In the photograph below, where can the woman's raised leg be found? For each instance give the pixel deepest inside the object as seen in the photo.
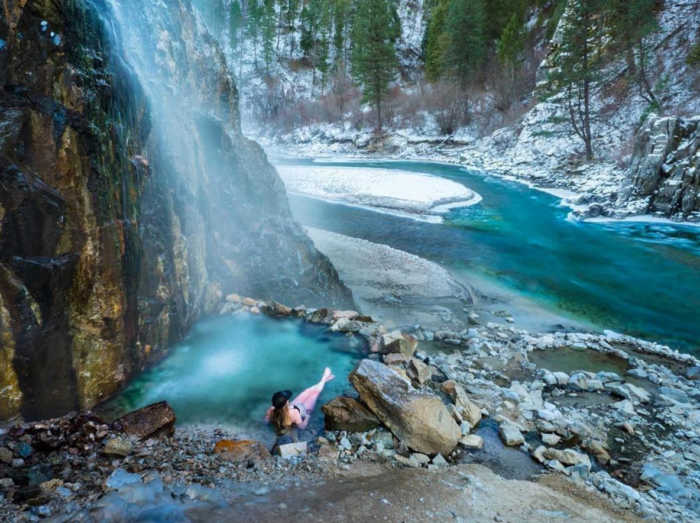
(309, 397)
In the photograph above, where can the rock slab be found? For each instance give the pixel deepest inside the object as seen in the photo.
(243, 450)
(148, 421)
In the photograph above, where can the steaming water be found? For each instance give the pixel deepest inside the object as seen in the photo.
(637, 278)
(228, 367)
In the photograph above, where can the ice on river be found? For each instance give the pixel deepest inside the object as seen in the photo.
(418, 195)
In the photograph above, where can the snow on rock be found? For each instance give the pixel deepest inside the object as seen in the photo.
(404, 193)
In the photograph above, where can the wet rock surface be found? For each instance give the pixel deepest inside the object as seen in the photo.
(118, 232)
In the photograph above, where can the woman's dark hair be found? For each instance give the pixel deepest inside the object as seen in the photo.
(280, 417)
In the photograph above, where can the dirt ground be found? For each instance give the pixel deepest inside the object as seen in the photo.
(465, 493)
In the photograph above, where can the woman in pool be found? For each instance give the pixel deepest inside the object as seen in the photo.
(284, 413)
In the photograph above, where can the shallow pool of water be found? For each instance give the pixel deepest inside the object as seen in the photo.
(642, 279)
(571, 360)
(228, 367)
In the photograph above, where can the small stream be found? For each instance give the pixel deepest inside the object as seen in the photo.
(641, 279)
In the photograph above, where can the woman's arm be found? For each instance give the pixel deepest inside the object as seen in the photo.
(268, 414)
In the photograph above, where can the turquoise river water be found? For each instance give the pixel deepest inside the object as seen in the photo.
(636, 278)
(641, 279)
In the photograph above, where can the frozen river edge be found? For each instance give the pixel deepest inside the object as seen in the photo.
(417, 195)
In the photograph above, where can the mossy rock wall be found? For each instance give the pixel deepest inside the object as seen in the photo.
(109, 249)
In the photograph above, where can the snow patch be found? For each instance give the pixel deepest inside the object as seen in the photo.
(403, 193)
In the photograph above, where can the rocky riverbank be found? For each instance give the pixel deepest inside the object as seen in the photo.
(657, 181)
(423, 399)
(393, 286)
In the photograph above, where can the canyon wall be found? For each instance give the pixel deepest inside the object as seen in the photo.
(665, 166)
(125, 217)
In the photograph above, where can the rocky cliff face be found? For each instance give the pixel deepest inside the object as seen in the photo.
(665, 166)
(126, 212)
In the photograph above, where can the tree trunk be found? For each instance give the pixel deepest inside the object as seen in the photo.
(642, 75)
(587, 137)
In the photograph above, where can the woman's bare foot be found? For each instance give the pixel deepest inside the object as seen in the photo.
(327, 375)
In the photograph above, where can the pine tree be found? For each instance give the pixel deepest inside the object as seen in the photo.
(292, 13)
(499, 14)
(267, 33)
(323, 44)
(341, 25)
(310, 14)
(374, 62)
(632, 23)
(466, 49)
(235, 32)
(577, 65)
(437, 42)
(510, 45)
(253, 25)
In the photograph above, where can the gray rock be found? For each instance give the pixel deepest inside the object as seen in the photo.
(118, 447)
(292, 450)
(419, 371)
(511, 435)
(562, 378)
(328, 452)
(662, 165)
(568, 457)
(399, 343)
(120, 478)
(345, 443)
(421, 458)
(674, 394)
(439, 461)
(6, 482)
(625, 407)
(470, 412)
(551, 439)
(6, 455)
(384, 438)
(407, 462)
(421, 421)
(472, 442)
(693, 373)
(629, 392)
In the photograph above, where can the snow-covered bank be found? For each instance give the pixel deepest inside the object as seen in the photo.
(587, 190)
(417, 195)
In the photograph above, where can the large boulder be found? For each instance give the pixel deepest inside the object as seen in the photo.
(349, 414)
(419, 420)
(150, 420)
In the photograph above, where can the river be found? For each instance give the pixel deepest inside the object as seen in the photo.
(637, 278)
